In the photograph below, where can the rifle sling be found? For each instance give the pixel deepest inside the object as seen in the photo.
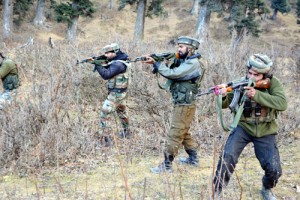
(239, 111)
(166, 85)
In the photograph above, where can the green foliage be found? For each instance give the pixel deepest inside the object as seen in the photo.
(243, 14)
(123, 3)
(66, 11)
(154, 8)
(20, 10)
(281, 5)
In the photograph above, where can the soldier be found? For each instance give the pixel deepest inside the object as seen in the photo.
(10, 79)
(117, 74)
(256, 125)
(184, 76)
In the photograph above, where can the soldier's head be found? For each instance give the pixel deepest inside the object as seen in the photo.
(259, 65)
(187, 46)
(111, 50)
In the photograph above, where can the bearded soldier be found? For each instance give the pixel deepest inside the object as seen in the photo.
(257, 125)
(184, 76)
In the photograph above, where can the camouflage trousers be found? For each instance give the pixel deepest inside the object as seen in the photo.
(179, 134)
(114, 104)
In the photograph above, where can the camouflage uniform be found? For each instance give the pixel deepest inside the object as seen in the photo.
(117, 74)
(10, 79)
(184, 75)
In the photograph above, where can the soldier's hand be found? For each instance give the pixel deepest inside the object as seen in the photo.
(250, 92)
(149, 60)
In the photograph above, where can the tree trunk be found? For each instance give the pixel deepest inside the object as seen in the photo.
(7, 18)
(110, 4)
(39, 17)
(195, 8)
(140, 20)
(72, 28)
(203, 22)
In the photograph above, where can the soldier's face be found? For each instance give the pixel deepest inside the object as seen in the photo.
(182, 49)
(254, 75)
(110, 55)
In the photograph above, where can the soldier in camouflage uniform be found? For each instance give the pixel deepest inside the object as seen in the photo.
(117, 74)
(184, 75)
(256, 125)
(10, 79)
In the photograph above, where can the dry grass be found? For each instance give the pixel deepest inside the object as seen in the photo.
(52, 128)
(48, 136)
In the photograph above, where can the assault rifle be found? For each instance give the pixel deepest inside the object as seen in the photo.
(158, 57)
(238, 101)
(233, 85)
(99, 60)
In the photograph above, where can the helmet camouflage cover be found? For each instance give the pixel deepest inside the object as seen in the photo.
(111, 47)
(192, 42)
(260, 63)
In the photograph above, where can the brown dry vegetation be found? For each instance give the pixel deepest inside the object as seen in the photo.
(48, 136)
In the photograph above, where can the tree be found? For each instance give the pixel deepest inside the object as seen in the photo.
(206, 8)
(70, 12)
(7, 18)
(298, 11)
(154, 8)
(195, 8)
(39, 17)
(242, 15)
(20, 10)
(140, 20)
(281, 6)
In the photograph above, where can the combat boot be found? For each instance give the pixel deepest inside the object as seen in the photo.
(191, 160)
(165, 166)
(267, 194)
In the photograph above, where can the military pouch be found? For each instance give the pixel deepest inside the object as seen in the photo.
(247, 109)
(182, 95)
(111, 84)
(257, 110)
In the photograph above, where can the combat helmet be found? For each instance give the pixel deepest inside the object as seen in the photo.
(113, 47)
(192, 42)
(259, 63)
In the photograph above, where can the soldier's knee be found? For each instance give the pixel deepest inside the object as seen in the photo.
(229, 159)
(273, 171)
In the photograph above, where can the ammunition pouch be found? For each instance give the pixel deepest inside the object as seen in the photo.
(183, 92)
(255, 113)
(11, 82)
(120, 82)
(247, 109)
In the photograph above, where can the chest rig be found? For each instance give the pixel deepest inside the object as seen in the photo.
(120, 82)
(256, 113)
(184, 92)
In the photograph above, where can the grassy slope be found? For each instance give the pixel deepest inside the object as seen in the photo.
(107, 182)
